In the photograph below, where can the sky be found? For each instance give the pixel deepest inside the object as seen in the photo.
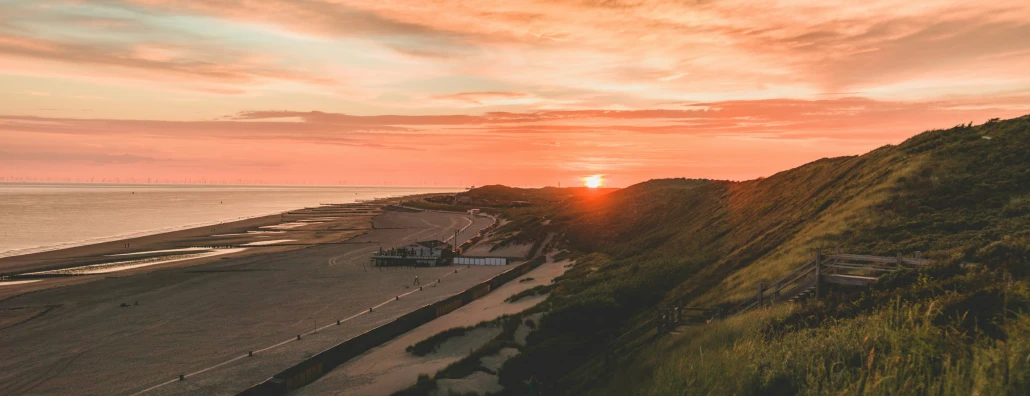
(458, 93)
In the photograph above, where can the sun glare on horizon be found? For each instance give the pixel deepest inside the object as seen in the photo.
(594, 181)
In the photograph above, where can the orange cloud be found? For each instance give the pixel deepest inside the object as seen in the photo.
(150, 61)
(484, 98)
(731, 139)
(560, 54)
(525, 91)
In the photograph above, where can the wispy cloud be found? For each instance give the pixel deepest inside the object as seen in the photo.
(729, 139)
(485, 98)
(150, 63)
(51, 157)
(650, 51)
(629, 88)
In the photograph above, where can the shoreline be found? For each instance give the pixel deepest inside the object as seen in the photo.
(140, 329)
(29, 204)
(62, 256)
(44, 261)
(125, 236)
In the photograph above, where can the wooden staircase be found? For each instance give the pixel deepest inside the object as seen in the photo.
(800, 283)
(838, 268)
(799, 293)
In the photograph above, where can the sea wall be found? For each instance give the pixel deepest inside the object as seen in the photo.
(314, 367)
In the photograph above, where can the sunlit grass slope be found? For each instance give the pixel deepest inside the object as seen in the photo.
(960, 196)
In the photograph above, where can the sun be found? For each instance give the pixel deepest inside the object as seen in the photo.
(594, 181)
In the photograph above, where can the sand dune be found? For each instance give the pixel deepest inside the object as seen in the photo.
(390, 368)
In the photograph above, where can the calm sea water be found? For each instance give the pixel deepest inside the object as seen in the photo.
(37, 217)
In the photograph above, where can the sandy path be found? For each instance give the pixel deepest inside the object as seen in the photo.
(389, 368)
(482, 249)
(191, 319)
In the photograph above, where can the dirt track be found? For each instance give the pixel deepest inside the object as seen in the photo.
(193, 318)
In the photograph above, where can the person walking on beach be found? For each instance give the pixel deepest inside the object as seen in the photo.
(416, 281)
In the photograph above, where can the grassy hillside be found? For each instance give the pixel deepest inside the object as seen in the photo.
(960, 196)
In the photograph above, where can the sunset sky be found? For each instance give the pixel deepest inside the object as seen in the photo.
(525, 93)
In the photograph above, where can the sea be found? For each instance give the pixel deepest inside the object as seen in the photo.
(36, 217)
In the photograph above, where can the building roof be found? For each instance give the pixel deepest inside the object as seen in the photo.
(434, 244)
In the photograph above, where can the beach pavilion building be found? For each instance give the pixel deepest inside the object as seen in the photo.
(418, 254)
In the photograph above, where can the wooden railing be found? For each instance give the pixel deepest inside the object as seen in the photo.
(837, 268)
(793, 277)
(879, 259)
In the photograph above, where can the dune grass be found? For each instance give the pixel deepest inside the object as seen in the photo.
(533, 291)
(957, 327)
(425, 384)
(902, 347)
(950, 194)
(432, 344)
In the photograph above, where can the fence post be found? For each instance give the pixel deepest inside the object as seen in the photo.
(760, 302)
(665, 320)
(658, 322)
(666, 315)
(818, 272)
(608, 360)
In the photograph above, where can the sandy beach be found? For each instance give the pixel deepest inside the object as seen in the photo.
(128, 331)
(389, 368)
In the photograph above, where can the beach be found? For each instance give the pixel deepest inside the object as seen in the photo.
(137, 326)
(391, 368)
(39, 217)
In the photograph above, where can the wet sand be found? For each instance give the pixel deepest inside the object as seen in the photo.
(61, 258)
(74, 336)
(352, 220)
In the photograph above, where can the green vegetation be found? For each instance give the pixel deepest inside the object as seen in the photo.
(957, 327)
(432, 344)
(533, 291)
(423, 385)
(940, 330)
(959, 196)
(471, 363)
(422, 204)
(498, 194)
